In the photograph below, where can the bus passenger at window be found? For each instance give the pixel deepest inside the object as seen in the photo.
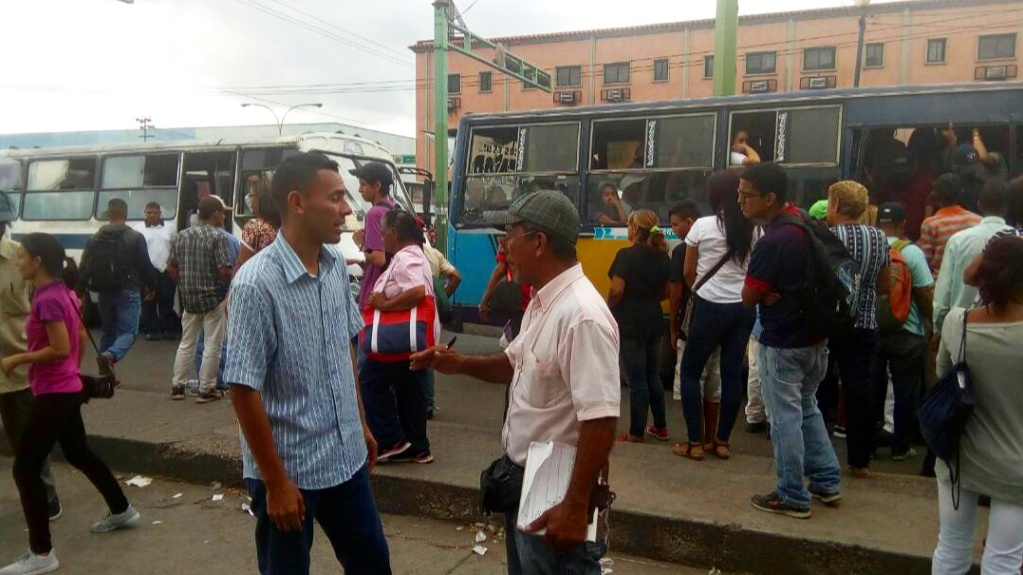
(742, 153)
(613, 209)
(496, 196)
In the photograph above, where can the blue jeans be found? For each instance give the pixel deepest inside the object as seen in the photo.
(789, 380)
(640, 359)
(119, 315)
(394, 398)
(199, 347)
(727, 325)
(348, 517)
(529, 555)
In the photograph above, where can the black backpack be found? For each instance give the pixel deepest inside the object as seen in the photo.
(831, 300)
(107, 268)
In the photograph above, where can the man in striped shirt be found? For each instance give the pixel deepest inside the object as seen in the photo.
(950, 219)
(306, 449)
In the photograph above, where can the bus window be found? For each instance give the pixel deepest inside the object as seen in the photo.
(493, 151)
(60, 189)
(618, 145)
(684, 142)
(794, 136)
(10, 181)
(139, 180)
(652, 190)
(551, 148)
(260, 163)
(756, 130)
(359, 206)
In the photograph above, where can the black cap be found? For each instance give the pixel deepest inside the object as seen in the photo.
(891, 213)
(375, 173)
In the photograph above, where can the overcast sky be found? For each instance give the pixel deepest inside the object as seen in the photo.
(99, 64)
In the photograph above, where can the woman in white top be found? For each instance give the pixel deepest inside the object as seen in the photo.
(718, 250)
(742, 153)
(991, 447)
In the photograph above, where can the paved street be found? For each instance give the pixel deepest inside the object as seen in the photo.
(192, 534)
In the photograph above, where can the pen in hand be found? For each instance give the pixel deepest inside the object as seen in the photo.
(451, 343)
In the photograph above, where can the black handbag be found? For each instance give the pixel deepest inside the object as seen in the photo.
(96, 386)
(687, 315)
(501, 486)
(944, 412)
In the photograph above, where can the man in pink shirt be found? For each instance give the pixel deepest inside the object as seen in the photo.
(563, 384)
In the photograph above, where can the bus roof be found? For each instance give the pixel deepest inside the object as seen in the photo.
(337, 141)
(810, 96)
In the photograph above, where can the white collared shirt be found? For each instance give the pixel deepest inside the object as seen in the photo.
(159, 240)
(566, 366)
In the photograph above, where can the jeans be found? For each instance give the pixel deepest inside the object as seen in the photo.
(903, 354)
(714, 325)
(529, 555)
(1003, 550)
(394, 398)
(348, 517)
(640, 359)
(789, 379)
(14, 408)
(756, 412)
(158, 316)
(119, 316)
(854, 353)
(710, 379)
(213, 325)
(52, 418)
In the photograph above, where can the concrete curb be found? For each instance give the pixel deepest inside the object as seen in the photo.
(732, 548)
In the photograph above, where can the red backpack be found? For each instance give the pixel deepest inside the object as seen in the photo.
(893, 308)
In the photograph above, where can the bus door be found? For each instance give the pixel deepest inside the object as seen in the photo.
(205, 173)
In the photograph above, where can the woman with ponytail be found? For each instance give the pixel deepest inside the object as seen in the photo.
(55, 345)
(639, 283)
(718, 250)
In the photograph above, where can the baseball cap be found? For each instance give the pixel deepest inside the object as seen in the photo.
(211, 205)
(374, 172)
(8, 210)
(891, 213)
(966, 160)
(115, 204)
(549, 210)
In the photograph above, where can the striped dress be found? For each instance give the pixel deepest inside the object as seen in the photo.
(937, 229)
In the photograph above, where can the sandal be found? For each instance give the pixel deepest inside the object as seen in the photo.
(692, 451)
(721, 449)
(627, 438)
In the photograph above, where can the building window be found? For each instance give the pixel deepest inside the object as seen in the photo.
(486, 81)
(660, 70)
(569, 76)
(996, 46)
(454, 83)
(936, 50)
(708, 66)
(874, 56)
(617, 73)
(761, 63)
(819, 59)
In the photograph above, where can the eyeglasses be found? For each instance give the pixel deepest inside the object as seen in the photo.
(748, 195)
(509, 239)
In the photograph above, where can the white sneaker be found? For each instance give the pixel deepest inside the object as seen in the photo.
(32, 564)
(124, 520)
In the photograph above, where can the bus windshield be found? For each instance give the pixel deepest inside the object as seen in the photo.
(360, 206)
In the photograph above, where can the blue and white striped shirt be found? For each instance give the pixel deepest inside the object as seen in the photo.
(288, 337)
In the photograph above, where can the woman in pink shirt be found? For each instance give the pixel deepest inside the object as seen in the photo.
(393, 395)
(55, 336)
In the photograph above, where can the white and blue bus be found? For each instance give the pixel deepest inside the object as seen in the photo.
(64, 191)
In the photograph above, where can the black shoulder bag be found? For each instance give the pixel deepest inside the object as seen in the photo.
(95, 386)
(687, 317)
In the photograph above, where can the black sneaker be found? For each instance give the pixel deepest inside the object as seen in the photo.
(408, 457)
(210, 396)
(758, 427)
(178, 392)
(54, 510)
(386, 455)
(771, 503)
(839, 432)
(829, 499)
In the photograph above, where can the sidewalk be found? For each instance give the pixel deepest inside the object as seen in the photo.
(668, 508)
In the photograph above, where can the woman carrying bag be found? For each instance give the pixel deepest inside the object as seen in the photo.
(990, 457)
(55, 344)
(394, 395)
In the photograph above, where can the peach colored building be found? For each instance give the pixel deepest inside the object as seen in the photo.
(913, 42)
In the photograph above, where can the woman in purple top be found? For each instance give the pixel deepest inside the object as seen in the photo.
(394, 396)
(55, 336)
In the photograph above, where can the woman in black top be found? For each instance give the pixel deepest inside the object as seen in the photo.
(639, 282)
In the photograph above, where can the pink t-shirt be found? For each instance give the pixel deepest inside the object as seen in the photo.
(53, 302)
(408, 270)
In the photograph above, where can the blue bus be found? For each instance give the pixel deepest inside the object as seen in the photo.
(658, 153)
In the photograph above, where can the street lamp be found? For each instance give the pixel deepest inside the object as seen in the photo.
(280, 120)
(862, 4)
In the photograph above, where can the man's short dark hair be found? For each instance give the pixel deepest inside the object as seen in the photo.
(685, 209)
(298, 173)
(562, 249)
(768, 178)
(154, 205)
(948, 189)
(992, 199)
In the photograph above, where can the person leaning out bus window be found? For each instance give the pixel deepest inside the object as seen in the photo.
(742, 153)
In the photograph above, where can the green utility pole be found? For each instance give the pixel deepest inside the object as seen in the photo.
(726, 26)
(445, 20)
(441, 18)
